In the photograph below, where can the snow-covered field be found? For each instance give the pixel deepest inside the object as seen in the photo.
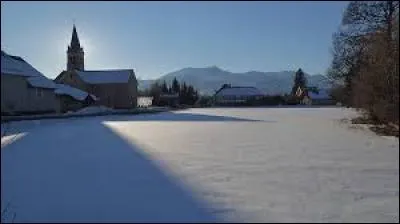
(236, 164)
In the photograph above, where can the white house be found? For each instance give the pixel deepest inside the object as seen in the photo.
(145, 101)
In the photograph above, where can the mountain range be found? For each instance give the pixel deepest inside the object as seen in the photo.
(208, 80)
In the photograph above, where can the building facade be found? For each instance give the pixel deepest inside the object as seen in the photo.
(73, 99)
(236, 95)
(25, 90)
(115, 88)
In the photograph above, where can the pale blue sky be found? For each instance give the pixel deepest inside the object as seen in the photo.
(155, 38)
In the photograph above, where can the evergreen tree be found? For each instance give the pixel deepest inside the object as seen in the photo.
(164, 88)
(299, 81)
(155, 91)
(196, 96)
(183, 94)
(175, 86)
(190, 95)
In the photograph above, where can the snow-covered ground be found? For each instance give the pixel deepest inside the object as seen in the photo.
(244, 165)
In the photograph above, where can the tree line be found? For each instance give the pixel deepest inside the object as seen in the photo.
(365, 65)
(182, 92)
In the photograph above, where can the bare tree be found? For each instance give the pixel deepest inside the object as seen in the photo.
(365, 58)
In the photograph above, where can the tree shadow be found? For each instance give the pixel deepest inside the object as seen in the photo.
(178, 117)
(91, 174)
(15, 130)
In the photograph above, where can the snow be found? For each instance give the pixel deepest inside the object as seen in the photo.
(12, 66)
(211, 164)
(95, 98)
(73, 92)
(240, 91)
(8, 139)
(41, 82)
(106, 76)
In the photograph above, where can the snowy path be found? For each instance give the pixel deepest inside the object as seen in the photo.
(250, 165)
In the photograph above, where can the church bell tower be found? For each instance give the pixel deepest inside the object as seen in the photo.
(75, 53)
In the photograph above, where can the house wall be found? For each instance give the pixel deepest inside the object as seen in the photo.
(132, 86)
(115, 95)
(234, 98)
(18, 96)
(72, 79)
(68, 103)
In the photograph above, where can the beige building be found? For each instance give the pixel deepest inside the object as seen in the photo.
(24, 89)
(113, 88)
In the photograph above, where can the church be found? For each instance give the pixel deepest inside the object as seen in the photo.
(114, 88)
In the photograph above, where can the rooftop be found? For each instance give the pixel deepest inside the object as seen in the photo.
(14, 65)
(106, 76)
(73, 92)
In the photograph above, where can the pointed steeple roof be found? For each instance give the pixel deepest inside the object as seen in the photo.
(75, 40)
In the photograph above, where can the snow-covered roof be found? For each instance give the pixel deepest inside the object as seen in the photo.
(322, 94)
(95, 98)
(240, 91)
(77, 94)
(106, 76)
(14, 65)
(41, 82)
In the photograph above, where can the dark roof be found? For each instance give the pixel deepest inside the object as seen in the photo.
(106, 76)
(12, 56)
(17, 58)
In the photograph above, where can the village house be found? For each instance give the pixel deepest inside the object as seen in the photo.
(321, 97)
(314, 96)
(113, 88)
(72, 99)
(231, 95)
(24, 89)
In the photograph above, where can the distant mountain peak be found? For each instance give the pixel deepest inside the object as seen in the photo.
(214, 67)
(208, 79)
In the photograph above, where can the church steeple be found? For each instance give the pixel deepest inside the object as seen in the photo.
(75, 53)
(75, 40)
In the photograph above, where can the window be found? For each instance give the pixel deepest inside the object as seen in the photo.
(39, 92)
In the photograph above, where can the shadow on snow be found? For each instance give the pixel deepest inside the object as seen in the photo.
(171, 116)
(96, 177)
